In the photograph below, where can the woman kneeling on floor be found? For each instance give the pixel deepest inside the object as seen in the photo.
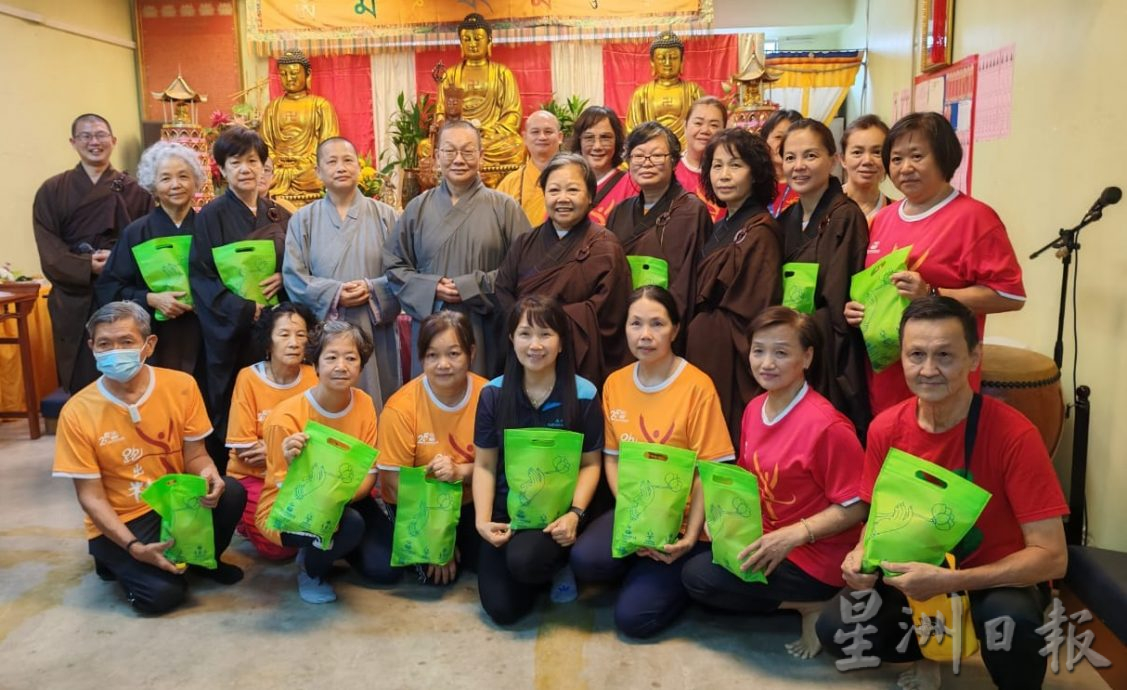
(807, 459)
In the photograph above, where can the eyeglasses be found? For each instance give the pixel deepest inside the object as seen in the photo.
(653, 158)
(591, 139)
(85, 137)
(468, 155)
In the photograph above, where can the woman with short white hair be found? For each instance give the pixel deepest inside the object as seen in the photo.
(173, 175)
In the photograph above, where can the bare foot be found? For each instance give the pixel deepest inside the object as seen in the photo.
(923, 675)
(807, 646)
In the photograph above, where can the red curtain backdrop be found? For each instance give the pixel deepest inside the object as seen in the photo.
(709, 61)
(346, 82)
(531, 64)
(195, 40)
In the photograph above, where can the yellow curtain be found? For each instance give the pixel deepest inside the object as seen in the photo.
(814, 83)
(42, 356)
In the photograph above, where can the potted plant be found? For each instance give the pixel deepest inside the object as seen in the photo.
(566, 112)
(410, 127)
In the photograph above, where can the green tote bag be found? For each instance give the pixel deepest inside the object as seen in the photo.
(176, 498)
(243, 265)
(919, 512)
(426, 519)
(648, 270)
(731, 510)
(320, 483)
(880, 327)
(800, 280)
(542, 469)
(163, 262)
(654, 482)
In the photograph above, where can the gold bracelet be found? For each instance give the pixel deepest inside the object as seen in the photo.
(808, 530)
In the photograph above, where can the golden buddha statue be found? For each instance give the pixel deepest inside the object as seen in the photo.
(490, 99)
(667, 98)
(293, 125)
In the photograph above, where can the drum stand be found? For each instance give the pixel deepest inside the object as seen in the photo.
(1066, 244)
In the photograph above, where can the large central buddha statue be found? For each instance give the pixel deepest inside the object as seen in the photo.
(490, 99)
(667, 98)
(293, 125)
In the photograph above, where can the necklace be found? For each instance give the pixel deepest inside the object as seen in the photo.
(273, 377)
(539, 397)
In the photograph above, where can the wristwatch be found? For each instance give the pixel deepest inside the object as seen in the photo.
(578, 511)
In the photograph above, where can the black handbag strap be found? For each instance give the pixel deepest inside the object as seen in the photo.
(972, 430)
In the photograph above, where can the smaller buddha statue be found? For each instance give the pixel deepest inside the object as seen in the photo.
(490, 99)
(667, 98)
(293, 125)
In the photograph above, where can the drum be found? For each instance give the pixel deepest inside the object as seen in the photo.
(1029, 382)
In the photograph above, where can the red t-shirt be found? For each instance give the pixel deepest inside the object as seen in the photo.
(1009, 461)
(785, 198)
(690, 182)
(958, 243)
(806, 460)
(624, 189)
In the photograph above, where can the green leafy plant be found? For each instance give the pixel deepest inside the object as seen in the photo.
(410, 125)
(566, 112)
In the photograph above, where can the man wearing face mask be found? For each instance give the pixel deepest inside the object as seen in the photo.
(119, 434)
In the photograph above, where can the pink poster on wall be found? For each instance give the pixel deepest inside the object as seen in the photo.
(995, 94)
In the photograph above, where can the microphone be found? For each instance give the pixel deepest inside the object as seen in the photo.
(1108, 197)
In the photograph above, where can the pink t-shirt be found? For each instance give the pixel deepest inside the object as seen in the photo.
(690, 181)
(806, 459)
(622, 190)
(956, 244)
(1009, 461)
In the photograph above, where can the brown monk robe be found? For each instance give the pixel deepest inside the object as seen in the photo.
(586, 272)
(675, 230)
(73, 217)
(836, 239)
(740, 275)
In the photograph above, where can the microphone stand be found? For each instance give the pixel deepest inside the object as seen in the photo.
(1066, 245)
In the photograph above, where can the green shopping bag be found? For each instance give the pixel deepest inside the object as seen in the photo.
(880, 327)
(243, 265)
(176, 498)
(919, 512)
(800, 280)
(731, 509)
(542, 469)
(654, 482)
(648, 270)
(426, 519)
(163, 262)
(320, 483)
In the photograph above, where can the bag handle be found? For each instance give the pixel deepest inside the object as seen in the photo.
(972, 430)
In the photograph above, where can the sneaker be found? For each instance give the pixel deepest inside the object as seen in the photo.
(312, 590)
(564, 589)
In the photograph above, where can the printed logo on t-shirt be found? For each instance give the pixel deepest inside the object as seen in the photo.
(263, 415)
(874, 247)
(426, 439)
(109, 437)
(130, 455)
(627, 436)
(618, 415)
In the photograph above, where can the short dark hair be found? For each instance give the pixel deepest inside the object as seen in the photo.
(591, 117)
(262, 332)
(937, 308)
(544, 312)
(809, 334)
(331, 140)
(661, 296)
(652, 130)
(88, 116)
(562, 160)
(438, 323)
(325, 331)
(817, 127)
(777, 118)
(861, 124)
(712, 102)
(751, 149)
(238, 141)
(938, 133)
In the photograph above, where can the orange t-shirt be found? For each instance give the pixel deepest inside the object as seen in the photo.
(289, 417)
(415, 427)
(128, 447)
(254, 397)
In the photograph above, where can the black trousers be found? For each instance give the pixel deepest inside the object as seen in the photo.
(713, 586)
(319, 563)
(510, 578)
(373, 557)
(152, 590)
(1020, 668)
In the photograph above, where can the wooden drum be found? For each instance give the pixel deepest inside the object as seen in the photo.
(1029, 382)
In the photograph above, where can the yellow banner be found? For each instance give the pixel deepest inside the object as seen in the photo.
(360, 25)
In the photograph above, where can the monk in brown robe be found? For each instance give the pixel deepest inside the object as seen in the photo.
(829, 229)
(740, 274)
(577, 262)
(77, 217)
(663, 221)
